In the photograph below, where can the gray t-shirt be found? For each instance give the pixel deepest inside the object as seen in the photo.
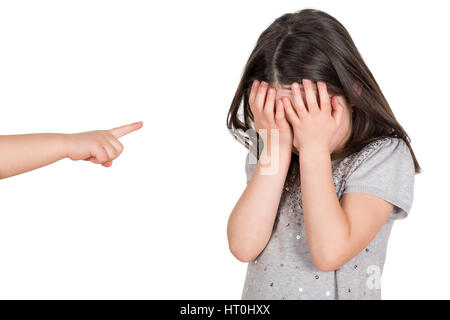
(284, 269)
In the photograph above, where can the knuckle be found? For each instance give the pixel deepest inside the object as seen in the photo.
(262, 89)
(98, 146)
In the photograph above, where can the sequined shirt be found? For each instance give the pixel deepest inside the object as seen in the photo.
(284, 269)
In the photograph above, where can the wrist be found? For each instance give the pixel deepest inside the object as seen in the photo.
(282, 151)
(276, 158)
(313, 151)
(64, 143)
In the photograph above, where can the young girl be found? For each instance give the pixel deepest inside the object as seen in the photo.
(26, 152)
(317, 226)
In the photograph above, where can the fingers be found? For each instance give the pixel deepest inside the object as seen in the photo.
(297, 99)
(291, 115)
(99, 155)
(324, 98)
(270, 104)
(107, 164)
(253, 90)
(261, 96)
(108, 149)
(310, 96)
(279, 112)
(117, 145)
(262, 101)
(337, 110)
(126, 129)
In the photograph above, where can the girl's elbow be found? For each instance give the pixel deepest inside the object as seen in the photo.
(325, 266)
(242, 257)
(326, 262)
(242, 254)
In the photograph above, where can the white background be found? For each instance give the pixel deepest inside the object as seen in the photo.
(153, 226)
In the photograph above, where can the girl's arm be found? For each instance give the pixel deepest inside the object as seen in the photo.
(336, 231)
(251, 222)
(26, 152)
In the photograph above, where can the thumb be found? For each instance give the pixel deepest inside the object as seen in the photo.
(107, 164)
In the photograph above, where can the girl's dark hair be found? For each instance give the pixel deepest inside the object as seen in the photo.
(314, 45)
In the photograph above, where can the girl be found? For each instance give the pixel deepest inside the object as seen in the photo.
(26, 152)
(317, 226)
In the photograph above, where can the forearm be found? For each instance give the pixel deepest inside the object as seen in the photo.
(26, 152)
(326, 224)
(251, 221)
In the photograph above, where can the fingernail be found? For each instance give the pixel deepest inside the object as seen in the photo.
(263, 83)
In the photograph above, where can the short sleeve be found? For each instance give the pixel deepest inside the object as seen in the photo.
(386, 171)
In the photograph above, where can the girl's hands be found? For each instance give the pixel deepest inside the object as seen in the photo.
(99, 146)
(269, 114)
(314, 127)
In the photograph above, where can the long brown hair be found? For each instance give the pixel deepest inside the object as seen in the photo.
(314, 45)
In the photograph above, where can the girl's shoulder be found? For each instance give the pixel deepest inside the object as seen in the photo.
(389, 154)
(383, 149)
(384, 167)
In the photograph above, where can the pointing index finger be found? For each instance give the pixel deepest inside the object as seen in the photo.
(126, 129)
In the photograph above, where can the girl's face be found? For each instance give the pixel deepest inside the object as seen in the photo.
(343, 132)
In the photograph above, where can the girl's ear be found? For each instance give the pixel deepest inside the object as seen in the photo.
(337, 108)
(340, 100)
(336, 103)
